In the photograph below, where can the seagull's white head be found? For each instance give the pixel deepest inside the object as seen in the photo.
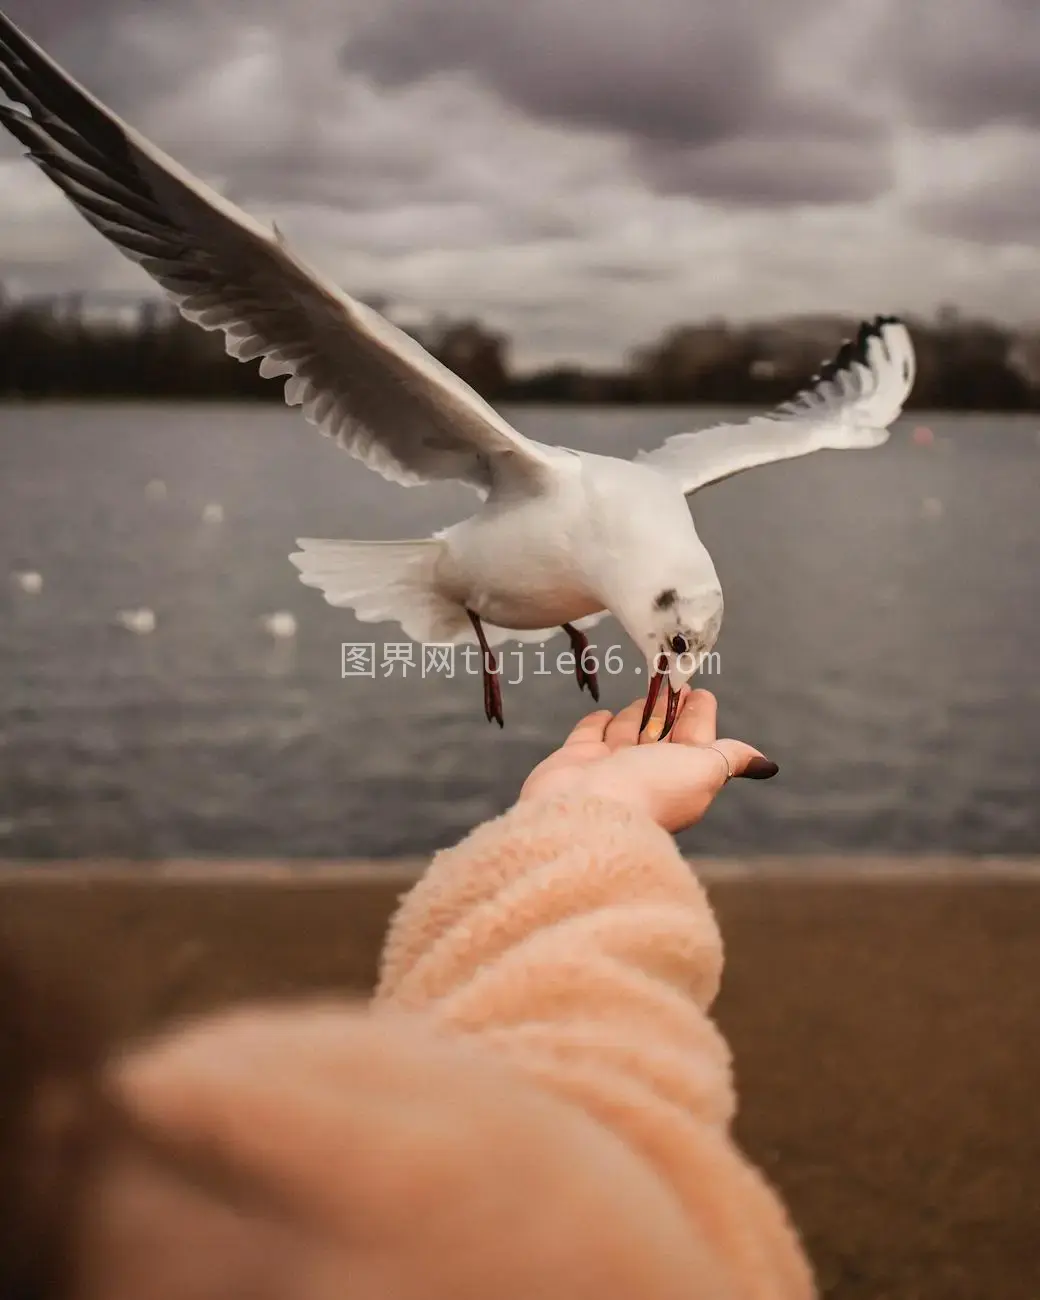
(677, 631)
(681, 630)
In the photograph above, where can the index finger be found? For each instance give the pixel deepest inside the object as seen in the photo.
(591, 728)
(623, 730)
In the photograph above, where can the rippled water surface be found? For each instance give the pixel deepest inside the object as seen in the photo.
(880, 642)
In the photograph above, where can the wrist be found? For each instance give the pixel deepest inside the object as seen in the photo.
(568, 790)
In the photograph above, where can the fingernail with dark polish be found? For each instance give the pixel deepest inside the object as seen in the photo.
(760, 769)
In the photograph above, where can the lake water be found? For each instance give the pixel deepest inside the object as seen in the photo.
(880, 643)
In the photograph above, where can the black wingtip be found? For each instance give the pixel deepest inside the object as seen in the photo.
(34, 79)
(21, 126)
(854, 350)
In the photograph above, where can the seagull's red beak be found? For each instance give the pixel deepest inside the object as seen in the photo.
(653, 691)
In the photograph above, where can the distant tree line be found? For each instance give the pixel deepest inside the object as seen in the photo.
(59, 348)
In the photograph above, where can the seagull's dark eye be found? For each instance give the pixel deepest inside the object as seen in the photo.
(679, 644)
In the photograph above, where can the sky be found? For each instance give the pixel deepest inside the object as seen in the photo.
(581, 174)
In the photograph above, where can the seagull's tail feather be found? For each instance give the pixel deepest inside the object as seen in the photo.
(383, 582)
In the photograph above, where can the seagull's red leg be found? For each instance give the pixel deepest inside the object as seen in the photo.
(586, 676)
(492, 686)
(652, 692)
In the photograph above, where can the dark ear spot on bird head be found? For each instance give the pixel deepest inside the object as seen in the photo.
(666, 599)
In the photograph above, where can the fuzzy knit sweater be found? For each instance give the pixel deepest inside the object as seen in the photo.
(536, 1102)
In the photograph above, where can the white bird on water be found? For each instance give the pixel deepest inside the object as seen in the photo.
(139, 621)
(562, 538)
(30, 581)
(281, 624)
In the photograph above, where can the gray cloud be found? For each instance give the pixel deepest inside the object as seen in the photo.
(100, 39)
(993, 198)
(773, 172)
(680, 84)
(966, 75)
(580, 174)
(56, 23)
(673, 76)
(1009, 217)
(963, 64)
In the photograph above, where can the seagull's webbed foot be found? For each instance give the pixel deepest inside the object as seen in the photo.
(586, 676)
(672, 709)
(492, 684)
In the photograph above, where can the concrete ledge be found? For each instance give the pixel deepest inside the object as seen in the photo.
(863, 867)
(882, 1013)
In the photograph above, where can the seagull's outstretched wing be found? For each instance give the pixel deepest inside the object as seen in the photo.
(850, 403)
(358, 378)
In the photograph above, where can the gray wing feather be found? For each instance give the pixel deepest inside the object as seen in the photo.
(850, 404)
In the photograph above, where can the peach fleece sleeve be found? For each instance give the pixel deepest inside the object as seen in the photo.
(534, 1106)
(572, 939)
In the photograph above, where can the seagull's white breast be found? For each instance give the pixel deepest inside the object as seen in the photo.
(524, 564)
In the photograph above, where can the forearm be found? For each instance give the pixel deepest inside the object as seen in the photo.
(572, 939)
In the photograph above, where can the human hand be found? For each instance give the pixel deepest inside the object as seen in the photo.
(674, 782)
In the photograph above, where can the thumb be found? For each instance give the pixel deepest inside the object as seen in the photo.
(744, 761)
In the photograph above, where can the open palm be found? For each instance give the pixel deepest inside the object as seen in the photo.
(674, 781)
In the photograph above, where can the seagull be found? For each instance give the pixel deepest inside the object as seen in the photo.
(30, 581)
(561, 538)
(139, 621)
(281, 625)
